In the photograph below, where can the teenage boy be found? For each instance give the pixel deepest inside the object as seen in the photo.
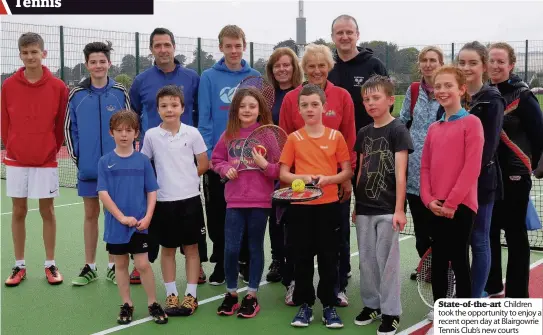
(33, 111)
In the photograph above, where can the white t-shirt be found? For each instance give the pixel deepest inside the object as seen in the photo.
(176, 170)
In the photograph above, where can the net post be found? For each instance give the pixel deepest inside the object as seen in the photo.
(61, 32)
(452, 52)
(199, 55)
(137, 39)
(526, 64)
(252, 55)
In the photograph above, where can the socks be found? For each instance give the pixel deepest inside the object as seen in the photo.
(49, 263)
(110, 265)
(92, 266)
(191, 289)
(20, 263)
(171, 289)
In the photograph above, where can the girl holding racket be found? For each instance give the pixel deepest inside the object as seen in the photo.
(248, 197)
(450, 166)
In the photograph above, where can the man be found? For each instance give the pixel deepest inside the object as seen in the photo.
(90, 107)
(354, 65)
(33, 111)
(166, 71)
(215, 95)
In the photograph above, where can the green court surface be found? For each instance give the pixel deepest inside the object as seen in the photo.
(35, 307)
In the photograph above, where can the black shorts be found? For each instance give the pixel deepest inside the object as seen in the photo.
(139, 244)
(178, 223)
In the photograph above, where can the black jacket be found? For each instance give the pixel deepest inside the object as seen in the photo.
(352, 74)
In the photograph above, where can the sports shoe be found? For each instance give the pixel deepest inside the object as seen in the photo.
(171, 307)
(125, 316)
(500, 294)
(413, 275)
(249, 307)
(274, 275)
(367, 316)
(16, 277)
(135, 278)
(342, 300)
(244, 272)
(188, 306)
(330, 318)
(86, 276)
(157, 313)
(53, 275)
(229, 305)
(110, 275)
(288, 296)
(304, 316)
(389, 325)
(202, 279)
(430, 315)
(217, 277)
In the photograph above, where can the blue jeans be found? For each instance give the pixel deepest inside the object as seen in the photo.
(255, 219)
(480, 248)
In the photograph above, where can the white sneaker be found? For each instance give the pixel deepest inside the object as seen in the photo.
(430, 331)
(342, 300)
(349, 274)
(430, 315)
(290, 293)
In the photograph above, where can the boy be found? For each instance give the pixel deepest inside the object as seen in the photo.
(127, 187)
(315, 151)
(90, 106)
(217, 86)
(33, 109)
(383, 147)
(179, 215)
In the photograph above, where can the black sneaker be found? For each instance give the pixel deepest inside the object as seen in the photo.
(249, 307)
(229, 305)
(244, 272)
(158, 314)
(413, 275)
(217, 277)
(125, 316)
(367, 316)
(389, 325)
(274, 275)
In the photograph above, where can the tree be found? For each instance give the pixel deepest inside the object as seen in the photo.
(287, 43)
(386, 52)
(114, 71)
(181, 59)
(67, 74)
(125, 80)
(79, 72)
(535, 82)
(260, 65)
(321, 41)
(405, 60)
(207, 60)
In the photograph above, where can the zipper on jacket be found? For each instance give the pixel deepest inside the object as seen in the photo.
(100, 119)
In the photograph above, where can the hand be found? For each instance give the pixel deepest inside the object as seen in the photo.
(259, 159)
(399, 220)
(345, 190)
(143, 224)
(323, 180)
(308, 179)
(436, 206)
(353, 217)
(447, 212)
(232, 174)
(129, 221)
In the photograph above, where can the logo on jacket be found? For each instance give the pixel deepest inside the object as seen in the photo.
(358, 81)
(110, 108)
(226, 94)
(331, 113)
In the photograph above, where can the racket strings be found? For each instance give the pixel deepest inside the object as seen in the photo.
(272, 138)
(424, 281)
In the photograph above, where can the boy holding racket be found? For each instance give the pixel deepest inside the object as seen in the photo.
(383, 147)
(315, 151)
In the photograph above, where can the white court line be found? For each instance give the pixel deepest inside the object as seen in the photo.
(424, 322)
(56, 206)
(203, 302)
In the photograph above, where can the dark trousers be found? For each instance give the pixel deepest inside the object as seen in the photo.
(509, 215)
(450, 243)
(422, 218)
(314, 231)
(344, 264)
(277, 236)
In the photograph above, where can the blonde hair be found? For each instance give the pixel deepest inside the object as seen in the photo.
(231, 31)
(314, 50)
(433, 48)
(297, 73)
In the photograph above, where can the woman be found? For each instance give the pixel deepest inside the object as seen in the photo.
(284, 73)
(418, 112)
(518, 154)
(317, 63)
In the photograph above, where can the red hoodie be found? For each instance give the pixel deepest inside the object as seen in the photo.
(33, 119)
(338, 114)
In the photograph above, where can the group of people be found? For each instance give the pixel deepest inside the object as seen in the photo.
(461, 154)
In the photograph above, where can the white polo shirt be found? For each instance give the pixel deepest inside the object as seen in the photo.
(176, 170)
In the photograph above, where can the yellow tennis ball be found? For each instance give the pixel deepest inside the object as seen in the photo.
(298, 185)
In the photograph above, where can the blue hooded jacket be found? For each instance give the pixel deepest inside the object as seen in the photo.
(217, 87)
(87, 124)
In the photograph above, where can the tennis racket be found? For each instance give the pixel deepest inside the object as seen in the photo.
(424, 280)
(268, 140)
(262, 85)
(287, 195)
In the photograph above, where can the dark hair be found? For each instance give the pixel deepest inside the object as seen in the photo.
(27, 39)
(98, 47)
(344, 17)
(234, 123)
(310, 89)
(124, 117)
(161, 31)
(377, 82)
(481, 50)
(170, 91)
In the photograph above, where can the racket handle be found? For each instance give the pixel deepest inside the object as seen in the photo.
(224, 180)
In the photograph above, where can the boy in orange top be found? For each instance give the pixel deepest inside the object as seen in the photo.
(315, 151)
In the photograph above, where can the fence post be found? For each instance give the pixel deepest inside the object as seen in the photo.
(137, 36)
(199, 55)
(452, 53)
(526, 65)
(62, 53)
(252, 56)
(386, 56)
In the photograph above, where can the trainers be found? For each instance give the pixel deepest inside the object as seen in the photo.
(304, 316)
(500, 294)
(135, 278)
(330, 318)
(274, 275)
(430, 315)
(16, 277)
(202, 279)
(157, 313)
(413, 275)
(125, 316)
(188, 306)
(342, 300)
(171, 307)
(289, 295)
(249, 307)
(217, 277)
(244, 272)
(110, 275)
(86, 276)
(367, 316)
(229, 305)
(349, 274)
(389, 325)
(53, 275)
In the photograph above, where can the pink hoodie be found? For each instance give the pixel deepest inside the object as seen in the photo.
(252, 188)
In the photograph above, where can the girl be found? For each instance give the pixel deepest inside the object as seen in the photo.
(488, 105)
(519, 151)
(451, 163)
(248, 198)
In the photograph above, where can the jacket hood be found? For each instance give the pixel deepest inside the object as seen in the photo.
(86, 84)
(363, 55)
(486, 92)
(221, 66)
(20, 76)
